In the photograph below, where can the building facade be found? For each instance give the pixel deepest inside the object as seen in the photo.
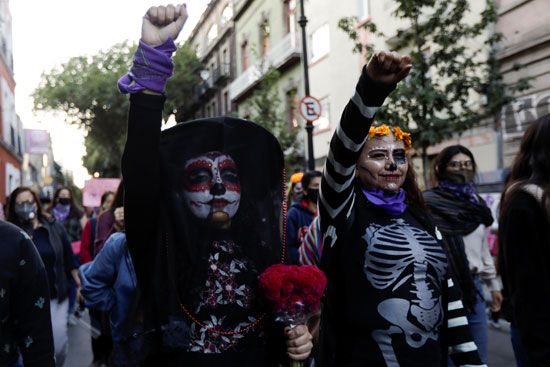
(526, 43)
(11, 130)
(213, 40)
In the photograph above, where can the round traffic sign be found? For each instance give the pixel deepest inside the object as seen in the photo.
(310, 108)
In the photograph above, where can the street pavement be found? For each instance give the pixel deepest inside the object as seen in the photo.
(80, 353)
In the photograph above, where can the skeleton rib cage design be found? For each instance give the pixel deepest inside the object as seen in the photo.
(391, 251)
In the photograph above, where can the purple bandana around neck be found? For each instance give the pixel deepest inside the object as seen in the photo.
(464, 191)
(393, 204)
(151, 68)
(61, 212)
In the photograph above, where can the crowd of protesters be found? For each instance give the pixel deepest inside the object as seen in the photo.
(168, 265)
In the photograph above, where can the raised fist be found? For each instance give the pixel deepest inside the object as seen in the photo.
(388, 67)
(163, 22)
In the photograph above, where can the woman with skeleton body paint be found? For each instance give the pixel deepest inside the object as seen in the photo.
(214, 190)
(390, 298)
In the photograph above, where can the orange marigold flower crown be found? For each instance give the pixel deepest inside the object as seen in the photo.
(385, 130)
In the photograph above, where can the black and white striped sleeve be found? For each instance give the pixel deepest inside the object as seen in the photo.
(462, 349)
(336, 194)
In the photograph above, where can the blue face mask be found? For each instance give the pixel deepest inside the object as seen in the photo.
(26, 212)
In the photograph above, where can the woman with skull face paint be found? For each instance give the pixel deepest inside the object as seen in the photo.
(390, 298)
(462, 216)
(214, 190)
(52, 243)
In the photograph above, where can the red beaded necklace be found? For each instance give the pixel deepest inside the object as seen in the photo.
(253, 325)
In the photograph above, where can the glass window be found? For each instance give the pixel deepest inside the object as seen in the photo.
(244, 55)
(364, 10)
(212, 34)
(227, 14)
(320, 42)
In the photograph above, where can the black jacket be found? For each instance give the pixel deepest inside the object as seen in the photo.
(24, 301)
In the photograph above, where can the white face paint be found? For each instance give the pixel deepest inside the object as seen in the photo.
(383, 163)
(212, 186)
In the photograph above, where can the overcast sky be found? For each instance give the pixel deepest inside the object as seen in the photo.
(48, 33)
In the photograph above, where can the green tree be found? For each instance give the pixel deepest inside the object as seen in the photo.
(265, 108)
(84, 88)
(435, 101)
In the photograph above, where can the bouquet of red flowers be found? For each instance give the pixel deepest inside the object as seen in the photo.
(293, 292)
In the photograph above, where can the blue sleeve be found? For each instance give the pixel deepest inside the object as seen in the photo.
(98, 277)
(292, 243)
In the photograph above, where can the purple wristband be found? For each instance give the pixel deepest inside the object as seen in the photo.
(151, 69)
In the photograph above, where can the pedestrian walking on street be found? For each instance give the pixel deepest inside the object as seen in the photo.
(102, 344)
(87, 241)
(300, 215)
(111, 220)
(202, 213)
(26, 328)
(66, 212)
(463, 217)
(52, 243)
(109, 285)
(524, 240)
(390, 299)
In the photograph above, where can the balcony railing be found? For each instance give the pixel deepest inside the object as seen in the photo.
(221, 73)
(283, 52)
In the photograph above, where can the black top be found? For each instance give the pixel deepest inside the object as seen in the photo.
(524, 239)
(192, 275)
(389, 279)
(389, 298)
(24, 302)
(52, 242)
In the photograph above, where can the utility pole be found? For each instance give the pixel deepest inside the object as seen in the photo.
(309, 124)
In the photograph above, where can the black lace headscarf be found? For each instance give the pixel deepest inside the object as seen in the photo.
(181, 261)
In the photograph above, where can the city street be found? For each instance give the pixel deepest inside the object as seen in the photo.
(80, 354)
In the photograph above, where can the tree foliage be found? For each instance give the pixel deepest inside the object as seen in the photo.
(435, 100)
(84, 88)
(266, 108)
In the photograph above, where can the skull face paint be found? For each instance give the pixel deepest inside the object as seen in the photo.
(212, 187)
(383, 164)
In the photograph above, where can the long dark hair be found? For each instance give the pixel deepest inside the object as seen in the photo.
(118, 201)
(532, 163)
(12, 217)
(444, 157)
(414, 194)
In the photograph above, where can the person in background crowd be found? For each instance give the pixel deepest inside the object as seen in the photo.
(52, 243)
(87, 248)
(102, 344)
(524, 247)
(109, 284)
(66, 212)
(111, 220)
(26, 328)
(202, 213)
(390, 298)
(295, 192)
(301, 214)
(463, 217)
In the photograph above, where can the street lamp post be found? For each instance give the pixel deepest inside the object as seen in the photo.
(309, 124)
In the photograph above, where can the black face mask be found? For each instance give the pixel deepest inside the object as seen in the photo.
(26, 212)
(459, 177)
(312, 195)
(64, 201)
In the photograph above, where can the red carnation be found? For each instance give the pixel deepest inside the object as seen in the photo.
(293, 290)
